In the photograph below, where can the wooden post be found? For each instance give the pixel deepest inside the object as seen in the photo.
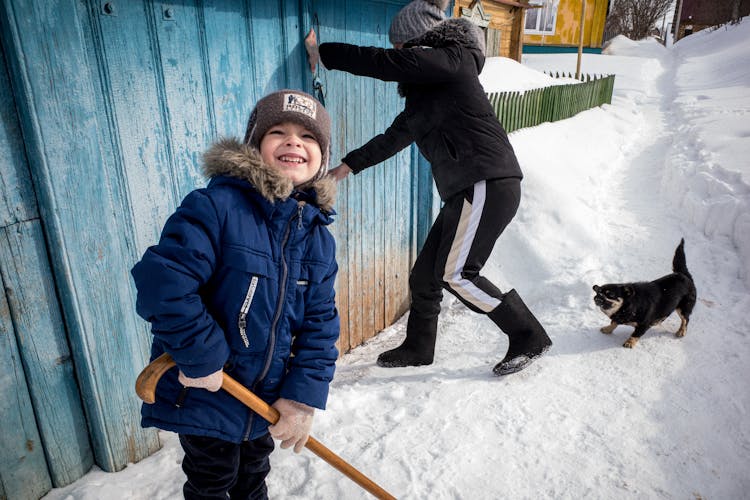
(580, 39)
(677, 22)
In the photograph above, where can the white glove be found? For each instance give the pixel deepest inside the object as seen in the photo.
(295, 421)
(210, 382)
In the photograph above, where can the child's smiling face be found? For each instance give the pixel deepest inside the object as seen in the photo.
(292, 149)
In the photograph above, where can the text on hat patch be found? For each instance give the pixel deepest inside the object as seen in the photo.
(300, 104)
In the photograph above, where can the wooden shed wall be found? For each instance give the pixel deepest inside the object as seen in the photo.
(376, 228)
(505, 18)
(116, 102)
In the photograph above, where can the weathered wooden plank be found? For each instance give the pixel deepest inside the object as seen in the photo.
(328, 20)
(354, 188)
(36, 312)
(43, 346)
(399, 226)
(268, 47)
(230, 63)
(384, 197)
(293, 50)
(372, 227)
(23, 468)
(182, 53)
(132, 87)
(71, 114)
(17, 201)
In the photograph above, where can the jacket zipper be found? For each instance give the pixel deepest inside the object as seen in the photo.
(242, 321)
(277, 314)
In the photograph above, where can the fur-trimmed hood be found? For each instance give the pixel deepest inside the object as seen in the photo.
(232, 158)
(456, 30)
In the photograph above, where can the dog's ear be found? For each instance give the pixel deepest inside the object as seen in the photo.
(597, 288)
(628, 291)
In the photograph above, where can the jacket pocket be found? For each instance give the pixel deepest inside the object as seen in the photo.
(250, 273)
(312, 273)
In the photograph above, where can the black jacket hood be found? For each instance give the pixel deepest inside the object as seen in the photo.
(454, 31)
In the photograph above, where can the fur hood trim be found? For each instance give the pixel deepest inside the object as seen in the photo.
(232, 158)
(456, 30)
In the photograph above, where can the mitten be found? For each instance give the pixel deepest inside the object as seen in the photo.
(210, 382)
(295, 421)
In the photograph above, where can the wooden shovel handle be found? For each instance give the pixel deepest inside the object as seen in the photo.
(145, 387)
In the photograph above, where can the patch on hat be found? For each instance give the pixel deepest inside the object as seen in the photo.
(300, 104)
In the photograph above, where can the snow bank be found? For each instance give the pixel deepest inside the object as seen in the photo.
(708, 176)
(624, 46)
(501, 74)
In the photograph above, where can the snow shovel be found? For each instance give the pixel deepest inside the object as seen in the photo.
(145, 387)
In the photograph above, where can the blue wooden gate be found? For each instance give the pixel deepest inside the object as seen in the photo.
(107, 107)
(384, 211)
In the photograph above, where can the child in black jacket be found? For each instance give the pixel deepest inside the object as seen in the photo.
(437, 62)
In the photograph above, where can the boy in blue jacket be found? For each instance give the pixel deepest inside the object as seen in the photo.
(241, 282)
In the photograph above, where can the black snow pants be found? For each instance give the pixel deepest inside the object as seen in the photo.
(221, 469)
(457, 247)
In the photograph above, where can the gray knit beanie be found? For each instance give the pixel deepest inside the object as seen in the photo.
(291, 106)
(415, 19)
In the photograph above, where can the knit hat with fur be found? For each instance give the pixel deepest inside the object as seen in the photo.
(415, 18)
(291, 106)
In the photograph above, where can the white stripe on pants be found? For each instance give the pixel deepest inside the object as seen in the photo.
(471, 213)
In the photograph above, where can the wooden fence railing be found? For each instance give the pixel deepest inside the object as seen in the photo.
(518, 110)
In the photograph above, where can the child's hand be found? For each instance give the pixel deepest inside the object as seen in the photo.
(210, 382)
(295, 421)
(340, 172)
(311, 45)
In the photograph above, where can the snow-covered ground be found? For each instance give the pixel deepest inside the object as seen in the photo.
(607, 196)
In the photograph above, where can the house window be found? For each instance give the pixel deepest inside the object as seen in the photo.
(542, 19)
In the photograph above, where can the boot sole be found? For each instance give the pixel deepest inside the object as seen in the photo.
(502, 369)
(401, 364)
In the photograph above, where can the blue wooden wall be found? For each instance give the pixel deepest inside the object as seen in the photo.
(43, 439)
(107, 107)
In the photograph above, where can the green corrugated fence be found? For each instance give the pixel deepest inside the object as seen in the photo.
(518, 110)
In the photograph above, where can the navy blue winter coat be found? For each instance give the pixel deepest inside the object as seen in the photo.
(242, 278)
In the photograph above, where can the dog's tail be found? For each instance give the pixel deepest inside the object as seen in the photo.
(679, 264)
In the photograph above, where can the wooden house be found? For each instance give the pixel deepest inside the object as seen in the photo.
(697, 15)
(502, 22)
(555, 25)
(106, 109)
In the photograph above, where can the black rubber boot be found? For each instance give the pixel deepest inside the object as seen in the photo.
(527, 337)
(418, 347)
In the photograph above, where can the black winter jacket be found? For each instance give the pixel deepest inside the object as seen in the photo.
(447, 112)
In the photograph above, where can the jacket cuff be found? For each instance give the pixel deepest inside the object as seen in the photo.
(211, 361)
(355, 162)
(305, 390)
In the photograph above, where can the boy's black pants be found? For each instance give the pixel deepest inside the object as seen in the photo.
(221, 469)
(457, 247)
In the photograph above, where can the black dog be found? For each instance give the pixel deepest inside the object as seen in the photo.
(646, 304)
